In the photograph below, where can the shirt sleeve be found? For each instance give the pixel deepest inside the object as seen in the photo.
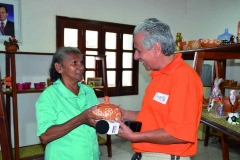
(45, 113)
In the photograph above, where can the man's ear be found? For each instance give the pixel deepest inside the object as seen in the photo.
(157, 49)
(58, 67)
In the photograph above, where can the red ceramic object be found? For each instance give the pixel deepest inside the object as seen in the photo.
(37, 85)
(19, 86)
(11, 48)
(210, 43)
(228, 107)
(194, 44)
(182, 45)
(43, 84)
(110, 111)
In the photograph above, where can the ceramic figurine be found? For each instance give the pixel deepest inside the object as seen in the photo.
(232, 96)
(232, 39)
(232, 99)
(178, 39)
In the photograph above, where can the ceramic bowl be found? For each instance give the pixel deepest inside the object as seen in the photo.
(108, 110)
(37, 85)
(210, 43)
(19, 86)
(194, 44)
(27, 85)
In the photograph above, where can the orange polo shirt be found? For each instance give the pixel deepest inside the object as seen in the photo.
(173, 101)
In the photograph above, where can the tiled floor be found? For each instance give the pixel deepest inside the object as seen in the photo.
(122, 151)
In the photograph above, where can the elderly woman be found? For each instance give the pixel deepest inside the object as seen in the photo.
(63, 110)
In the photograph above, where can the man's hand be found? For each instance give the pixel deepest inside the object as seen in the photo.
(125, 132)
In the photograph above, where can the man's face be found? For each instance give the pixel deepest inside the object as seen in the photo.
(141, 54)
(3, 14)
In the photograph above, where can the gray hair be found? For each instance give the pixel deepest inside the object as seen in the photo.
(156, 31)
(59, 57)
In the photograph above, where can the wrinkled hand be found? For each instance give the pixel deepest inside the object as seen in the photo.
(124, 131)
(122, 110)
(89, 118)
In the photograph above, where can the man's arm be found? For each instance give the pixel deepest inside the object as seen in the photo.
(159, 136)
(129, 115)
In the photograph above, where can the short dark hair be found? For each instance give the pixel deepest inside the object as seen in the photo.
(60, 55)
(2, 6)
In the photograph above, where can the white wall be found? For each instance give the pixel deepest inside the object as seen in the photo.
(193, 18)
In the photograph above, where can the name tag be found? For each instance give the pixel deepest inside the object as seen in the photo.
(161, 98)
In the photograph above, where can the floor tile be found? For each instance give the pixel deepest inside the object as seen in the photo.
(122, 151)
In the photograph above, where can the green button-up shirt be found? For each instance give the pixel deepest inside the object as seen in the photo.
(56, 105)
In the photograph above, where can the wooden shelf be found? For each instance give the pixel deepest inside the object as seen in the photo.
(231, 51)
(232, 87)
(97, 87)
(32, 90)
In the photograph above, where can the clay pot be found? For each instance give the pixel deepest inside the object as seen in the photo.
(210, 43)
(11, 48)
(182, 45)
(224, 83)
(228, 106)
(110, 111)
(232, 83)
(194, 44)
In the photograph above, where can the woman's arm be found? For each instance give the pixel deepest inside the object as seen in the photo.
(58, 131)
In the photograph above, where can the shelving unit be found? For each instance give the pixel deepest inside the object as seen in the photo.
(219, 55)
(4, 131)
(10, 61)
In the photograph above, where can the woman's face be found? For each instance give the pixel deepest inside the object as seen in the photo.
(72, 69)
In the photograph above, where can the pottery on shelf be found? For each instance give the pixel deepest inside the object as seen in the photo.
(108, 110)
(210, 42)
(228, 107)
(11, 48)
(194, 44)
(183, 45)
(232, 83)
(224, 82)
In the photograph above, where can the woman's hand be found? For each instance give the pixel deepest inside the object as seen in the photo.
(123, 113)
(89, 117)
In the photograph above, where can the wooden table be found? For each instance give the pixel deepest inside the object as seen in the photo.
(226, 130)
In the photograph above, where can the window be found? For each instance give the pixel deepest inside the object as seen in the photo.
(103, 38)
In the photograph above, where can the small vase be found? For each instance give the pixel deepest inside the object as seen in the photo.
(11, 48)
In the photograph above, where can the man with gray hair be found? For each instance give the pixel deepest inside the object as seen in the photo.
(172, 104)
